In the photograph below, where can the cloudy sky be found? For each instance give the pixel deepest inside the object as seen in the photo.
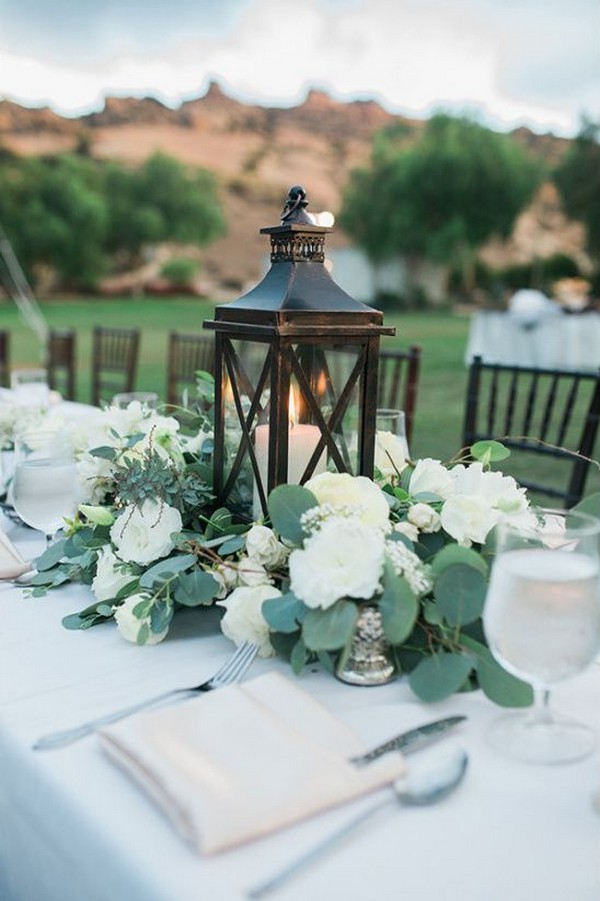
(512, 61)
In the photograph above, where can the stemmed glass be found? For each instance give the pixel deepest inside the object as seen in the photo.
(45, 487)
(542, 623)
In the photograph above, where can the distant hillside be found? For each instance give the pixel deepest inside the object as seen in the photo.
(257, 153)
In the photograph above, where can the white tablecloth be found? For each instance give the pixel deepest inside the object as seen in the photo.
(74, 828)
(558, 341)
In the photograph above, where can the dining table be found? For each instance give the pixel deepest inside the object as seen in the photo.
(75, 827)
(553, 341)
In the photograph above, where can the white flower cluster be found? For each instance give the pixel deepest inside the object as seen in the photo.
(113, 428)
(407, 564)
(17, 417)
(341, 490)
(474, 500)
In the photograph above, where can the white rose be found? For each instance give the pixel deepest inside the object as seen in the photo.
(468, 518)
(424, 518)
(226, 576)
(391, 454)
(251, 572)
(109, 580)
(95, 475)
(498, 490)
(143, 534)
(343, 559)
(243, 620)
(129, 625)
(263, 546)
(431, 476)
(341, 489)
(407, 528)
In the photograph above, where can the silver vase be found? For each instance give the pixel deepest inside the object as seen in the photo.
(368, 660)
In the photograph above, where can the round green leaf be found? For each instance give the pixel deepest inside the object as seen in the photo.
(328, 630)
(460, 593)
(499, 686)
(285, 613)
(454, 553)
(398, 607)
(489, 451)
(439, 676)
(286, 505)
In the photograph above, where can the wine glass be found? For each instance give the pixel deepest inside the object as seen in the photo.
(148, 400)
(45, 486)
(542, 623)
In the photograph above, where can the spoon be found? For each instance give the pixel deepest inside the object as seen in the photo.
(424, 786)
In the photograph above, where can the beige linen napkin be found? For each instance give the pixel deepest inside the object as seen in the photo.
(11, 562)
(243, 761)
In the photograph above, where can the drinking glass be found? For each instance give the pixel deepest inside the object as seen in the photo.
(542, 623)
(30, 387)
(147, 399)
(45, 486)
(393, 422)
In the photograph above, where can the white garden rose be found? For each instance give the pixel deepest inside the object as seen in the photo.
(499, 491)
(408, 529)
(468, 518)
(343, 559)
(341, 489)
(262, 545)
(129, 625)
(390, 454)
(425, 518)
(109, 580)
(251, 572)
(96, 478)
(243, 620)
(431, 476)
(143, 534)
(226, 575)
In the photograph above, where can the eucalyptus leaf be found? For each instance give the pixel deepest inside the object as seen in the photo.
(51, 556)
(143, 634)
(398, 606)
(299, 656)
(499, 686)
(195, 588)
(429, 544)
(439, 676)
(454, 553)
(460, 593)
(331, 629)
(232, 545)
(161, 614)
(285, 613)
(104, 452)
(489, 451)
(166, 569)
(286, 505)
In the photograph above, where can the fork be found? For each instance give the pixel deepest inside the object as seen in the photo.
(231, 671)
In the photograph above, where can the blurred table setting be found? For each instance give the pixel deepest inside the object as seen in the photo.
(535, 331)
(73, 825)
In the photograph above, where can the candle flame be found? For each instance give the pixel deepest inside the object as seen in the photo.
(293, 407)
(321, 384)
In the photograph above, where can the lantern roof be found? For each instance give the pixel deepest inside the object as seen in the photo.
(298, 288)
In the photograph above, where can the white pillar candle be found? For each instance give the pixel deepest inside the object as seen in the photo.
(302, 442)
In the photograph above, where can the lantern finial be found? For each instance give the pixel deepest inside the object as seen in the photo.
(295, 207)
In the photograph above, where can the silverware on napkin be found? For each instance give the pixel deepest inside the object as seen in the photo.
(411, 740)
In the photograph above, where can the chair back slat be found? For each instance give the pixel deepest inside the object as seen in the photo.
(114, 361)
(398, 382)
(559, 413)
(185, 355)
(4, 358)
(60, 362)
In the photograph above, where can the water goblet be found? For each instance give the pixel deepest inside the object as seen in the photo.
(148, 400)
(542, 623)
(45, 486)
(30, 387)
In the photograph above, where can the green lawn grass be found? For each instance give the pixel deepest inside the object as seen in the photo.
(442, 335)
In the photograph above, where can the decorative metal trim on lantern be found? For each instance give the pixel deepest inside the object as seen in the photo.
(296, 361)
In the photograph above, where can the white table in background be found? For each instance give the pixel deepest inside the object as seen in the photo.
(74, 828)
(558, 341)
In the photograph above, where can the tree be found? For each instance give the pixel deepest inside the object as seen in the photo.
(74, 214)
(577, 177)
(440, 196)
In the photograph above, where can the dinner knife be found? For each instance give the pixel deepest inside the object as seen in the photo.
(411, 740)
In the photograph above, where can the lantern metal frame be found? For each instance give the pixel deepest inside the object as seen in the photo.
(299, 311)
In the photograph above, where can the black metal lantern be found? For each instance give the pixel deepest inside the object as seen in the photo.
(296, 364)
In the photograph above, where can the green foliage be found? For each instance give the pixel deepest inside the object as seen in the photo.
(578, 179)
(71, 213)
(286, 505)
(180, 271)
(441, 197)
